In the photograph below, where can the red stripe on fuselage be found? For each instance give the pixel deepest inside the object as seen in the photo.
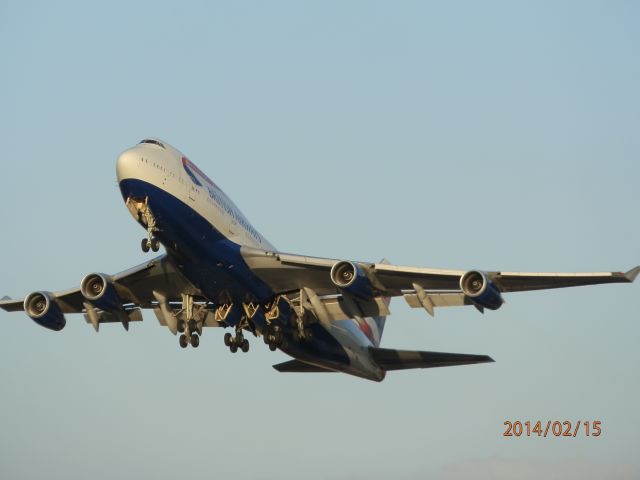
(188, 163)
(365, 328)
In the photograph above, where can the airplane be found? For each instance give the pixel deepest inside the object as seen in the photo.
(219, 271)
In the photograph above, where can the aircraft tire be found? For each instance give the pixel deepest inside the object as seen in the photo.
(245, 345)
(233, 348)
(145, 245)
(228, 339)
(195, 340)
(183, 341)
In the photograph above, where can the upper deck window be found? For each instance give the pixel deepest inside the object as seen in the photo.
(152, 142)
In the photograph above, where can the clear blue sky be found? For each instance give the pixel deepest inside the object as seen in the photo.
(492, 135)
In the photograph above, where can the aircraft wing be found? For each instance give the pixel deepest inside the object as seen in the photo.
(139, 287)
(421, 287)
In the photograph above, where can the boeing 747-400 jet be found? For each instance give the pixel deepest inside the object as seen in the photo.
(219, 271)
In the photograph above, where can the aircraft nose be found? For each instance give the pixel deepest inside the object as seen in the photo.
(127, 165)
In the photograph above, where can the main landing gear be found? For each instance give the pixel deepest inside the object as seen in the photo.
(235, 342)
(190, 322)
(189, 334)
(273, 338)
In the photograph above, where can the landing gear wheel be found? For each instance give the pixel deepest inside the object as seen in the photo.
(181, 326)
(233, 348)
(245, 345)
(272, 347)
(184, 341)
(145, 245)
(155, 244)
(195, 341)
(228, 339)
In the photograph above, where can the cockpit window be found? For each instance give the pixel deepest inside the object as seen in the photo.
(152, 142)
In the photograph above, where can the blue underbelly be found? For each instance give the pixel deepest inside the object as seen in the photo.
(208, 258)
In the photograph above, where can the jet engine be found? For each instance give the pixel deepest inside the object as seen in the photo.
(44, 310)
(480, 290)
(99, 290)
(351, 278)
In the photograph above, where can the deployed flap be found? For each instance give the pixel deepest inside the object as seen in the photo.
(299, 366)
(438, 299)
(390, 359)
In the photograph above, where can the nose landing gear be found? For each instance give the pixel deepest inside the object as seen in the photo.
(150, 244)
(140, 209)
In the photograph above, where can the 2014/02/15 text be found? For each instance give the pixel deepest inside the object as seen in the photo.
(553, 428)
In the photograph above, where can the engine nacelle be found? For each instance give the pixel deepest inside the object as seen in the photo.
(351, 278)
(99, 290)
(44, 310)
(480, 290)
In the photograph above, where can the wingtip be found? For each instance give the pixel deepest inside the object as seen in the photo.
(632, 274)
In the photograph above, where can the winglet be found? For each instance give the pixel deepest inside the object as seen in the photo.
(632, 274)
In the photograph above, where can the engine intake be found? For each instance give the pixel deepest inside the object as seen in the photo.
(42, 308)
(480, 290)
(351, 278)
(99, 290)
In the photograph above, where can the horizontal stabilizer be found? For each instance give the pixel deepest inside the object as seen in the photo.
(299, 366)
(390, 359)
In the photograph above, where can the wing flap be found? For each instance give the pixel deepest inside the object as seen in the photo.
(390, 359)
(438, 299)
